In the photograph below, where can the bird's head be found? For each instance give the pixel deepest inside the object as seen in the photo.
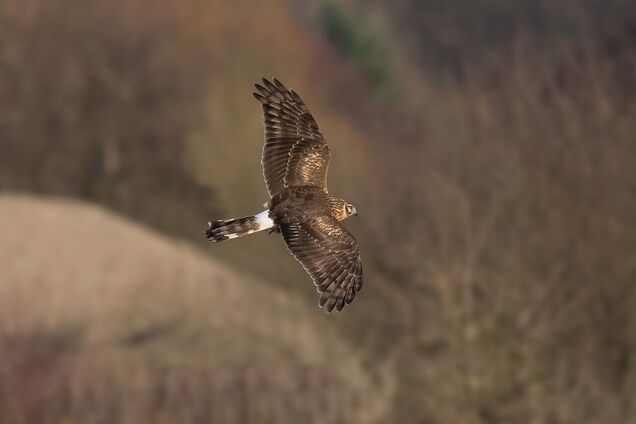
(350, 210)
(341, 209)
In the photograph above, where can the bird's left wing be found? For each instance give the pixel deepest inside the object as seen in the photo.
(330, 254)
(295, 152)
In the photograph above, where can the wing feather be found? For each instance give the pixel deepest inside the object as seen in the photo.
(330, 255)
(295, 152)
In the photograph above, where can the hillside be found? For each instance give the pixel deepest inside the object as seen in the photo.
(102, 318)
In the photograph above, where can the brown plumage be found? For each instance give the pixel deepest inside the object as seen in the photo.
(295, 163)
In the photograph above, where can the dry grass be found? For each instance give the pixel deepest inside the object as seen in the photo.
(103, 321)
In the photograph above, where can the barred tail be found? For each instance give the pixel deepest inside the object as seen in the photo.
(226, 229)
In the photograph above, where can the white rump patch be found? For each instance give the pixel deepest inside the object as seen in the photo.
(264, 221)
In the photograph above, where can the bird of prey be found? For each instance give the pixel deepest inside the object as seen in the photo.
(295, 161)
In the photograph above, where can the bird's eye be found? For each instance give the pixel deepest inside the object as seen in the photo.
(349, 209)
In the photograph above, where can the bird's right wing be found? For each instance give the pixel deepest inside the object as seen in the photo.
(329, 253)
(295, 152)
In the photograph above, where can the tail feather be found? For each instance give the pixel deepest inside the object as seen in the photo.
(225, 229)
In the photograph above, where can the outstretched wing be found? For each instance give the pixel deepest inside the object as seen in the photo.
(295, 152)
(330, 255)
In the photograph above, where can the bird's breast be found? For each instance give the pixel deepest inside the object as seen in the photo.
(297, 204)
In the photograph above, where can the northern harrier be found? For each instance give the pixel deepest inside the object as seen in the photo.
(295, 162)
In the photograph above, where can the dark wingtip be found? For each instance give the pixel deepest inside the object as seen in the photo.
(328, 301)
(258, 96)
(280, 85)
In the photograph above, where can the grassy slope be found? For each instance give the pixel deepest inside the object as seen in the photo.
(126, 325)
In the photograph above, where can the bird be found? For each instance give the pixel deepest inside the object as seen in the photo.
(295, 162)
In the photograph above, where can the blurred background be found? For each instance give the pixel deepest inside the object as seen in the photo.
(489, 146)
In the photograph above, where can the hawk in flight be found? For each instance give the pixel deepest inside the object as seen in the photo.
(295, 162)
